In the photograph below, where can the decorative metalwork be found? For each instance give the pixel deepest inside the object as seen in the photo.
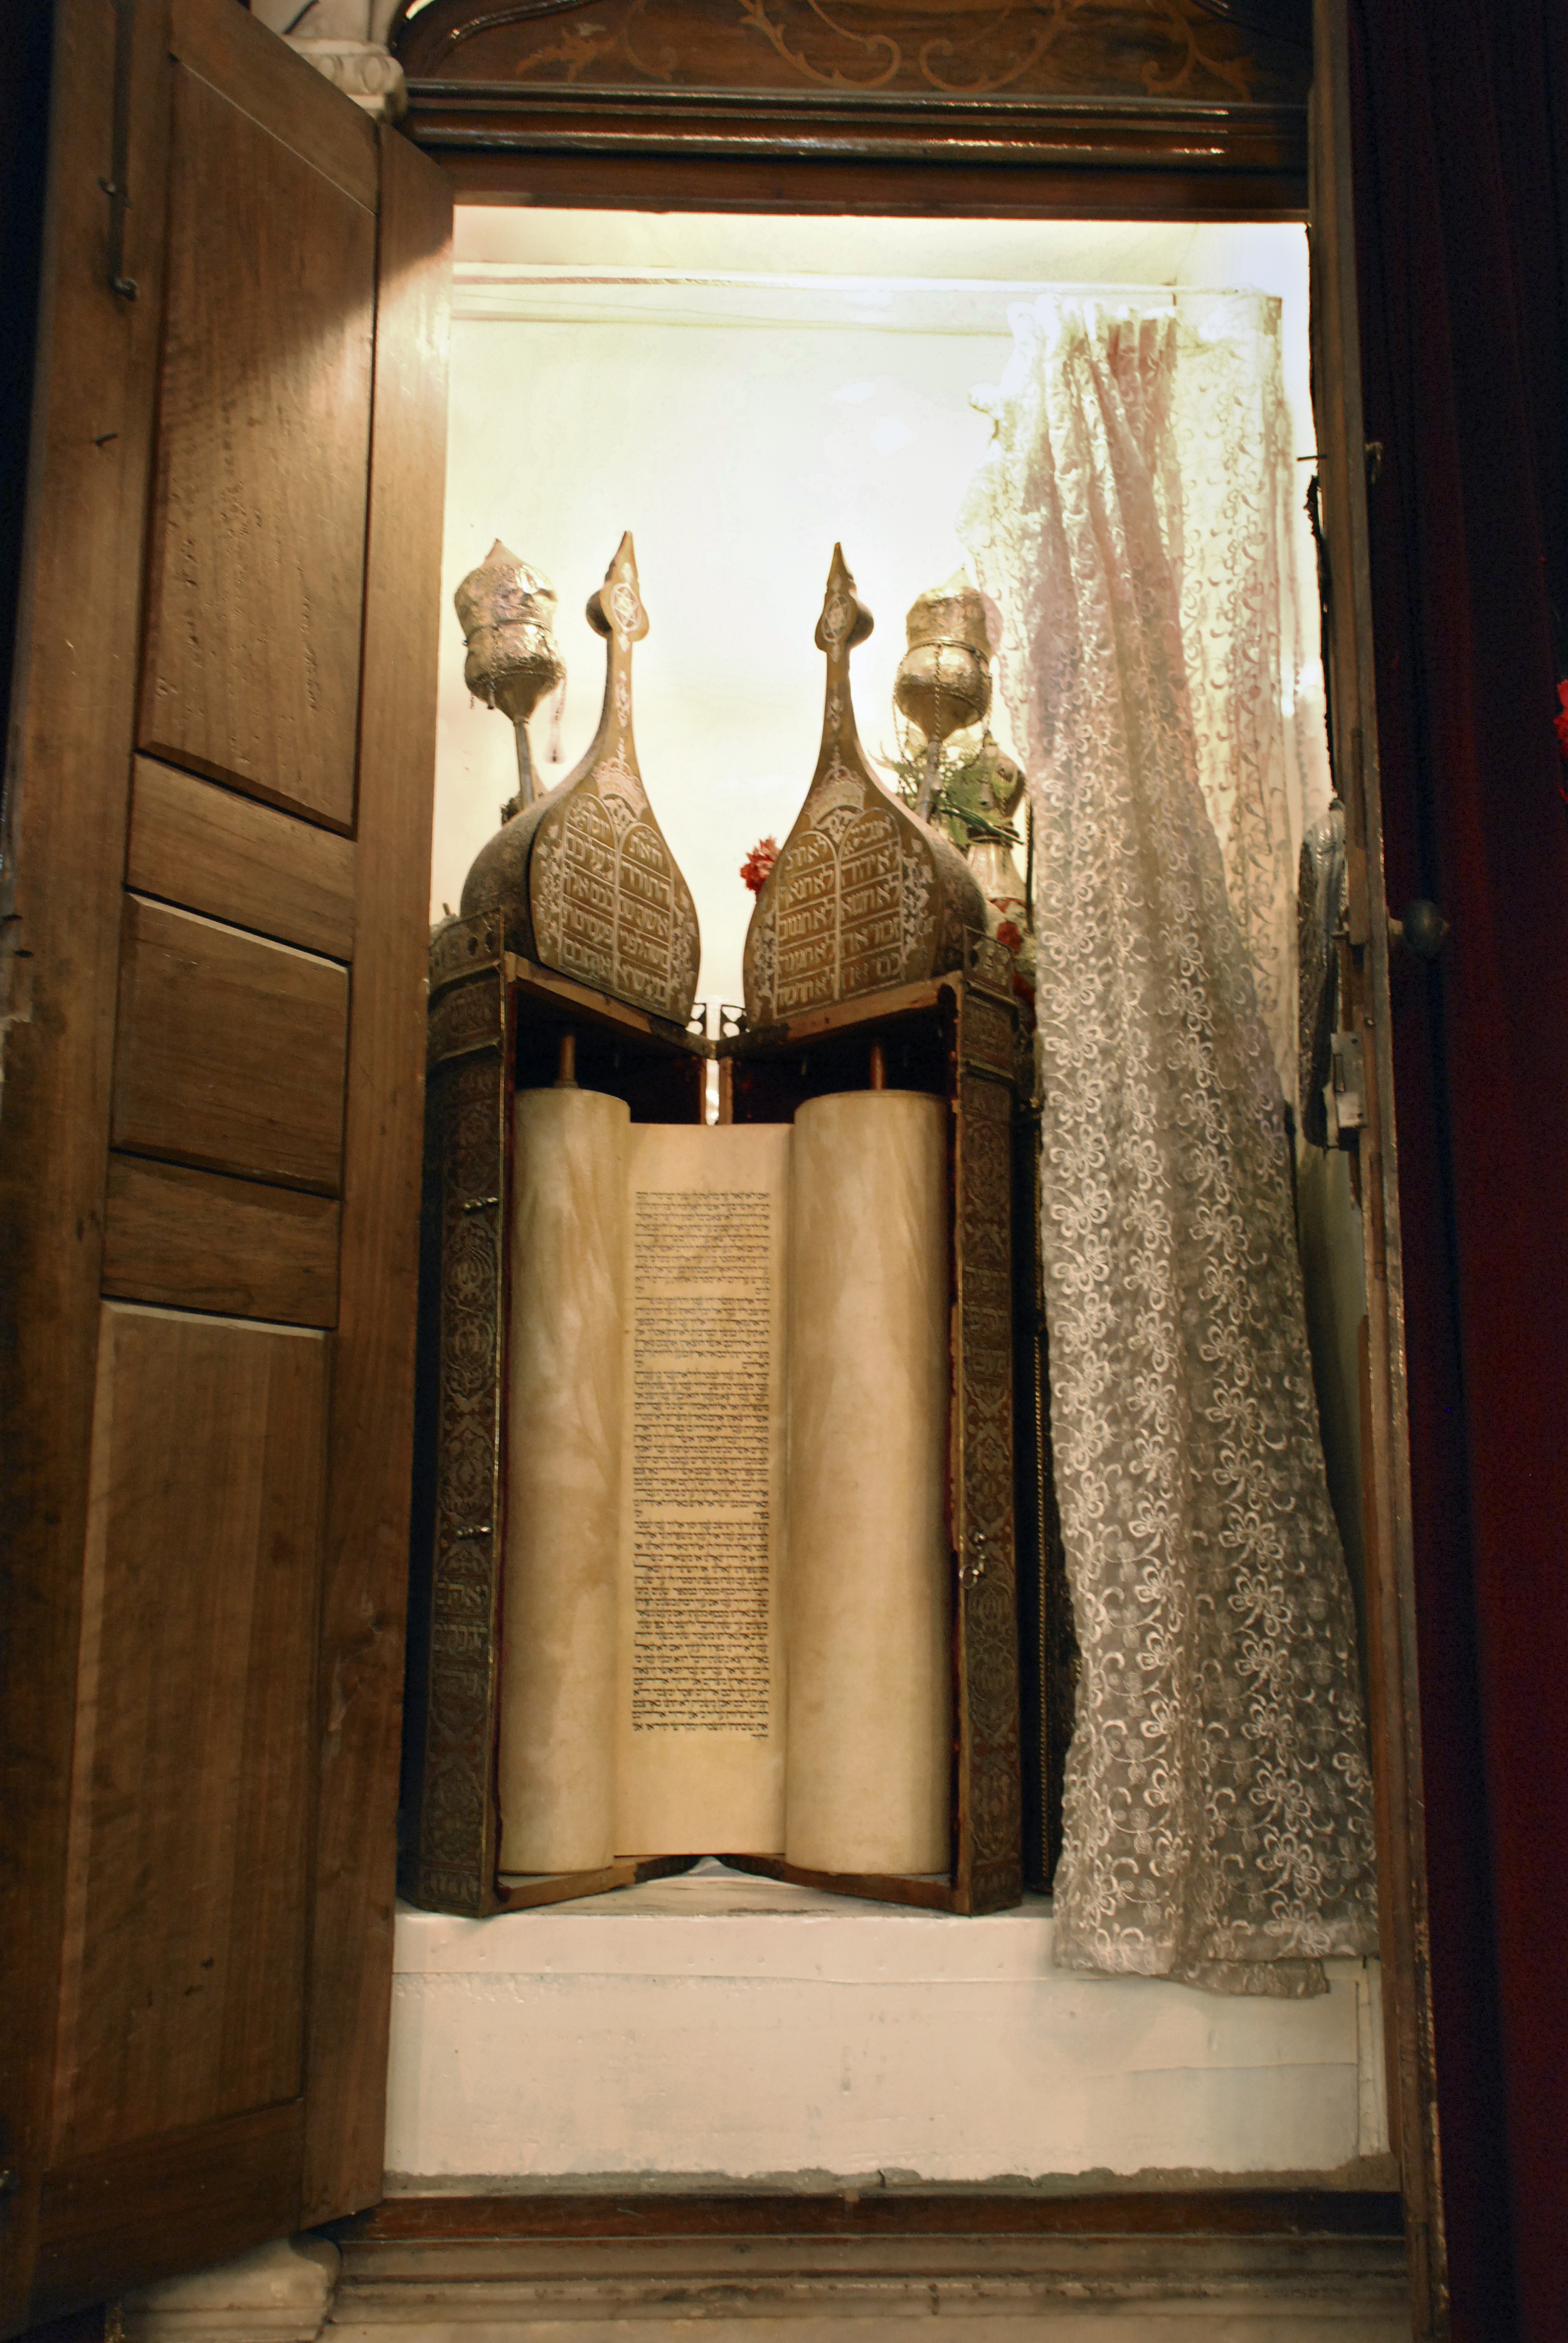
(583, 879)
(988, 1037)
(466, 1017)
(506, 611)
(466, 1116)
(989, 963)
(460, 946)
(943, 684)
(991, 1876)
(864, 894)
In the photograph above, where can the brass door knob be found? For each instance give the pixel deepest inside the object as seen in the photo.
(1423, 931)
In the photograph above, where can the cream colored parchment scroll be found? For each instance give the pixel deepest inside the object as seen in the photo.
(563, 1452)
(870, 1637)
(700, 1703)
(726, 1617)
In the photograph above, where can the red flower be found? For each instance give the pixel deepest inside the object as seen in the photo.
(758, 863)
(1009, 933)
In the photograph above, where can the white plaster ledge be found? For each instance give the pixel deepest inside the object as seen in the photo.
(1199, 2289)
(731, 2027)
(1145, 2289)
(280, 2293)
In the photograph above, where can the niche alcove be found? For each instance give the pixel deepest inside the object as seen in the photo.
(744, 392)
(1182, 115)
(493, 99)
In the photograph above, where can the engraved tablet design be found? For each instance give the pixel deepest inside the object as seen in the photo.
(852, 910)
(607, 903)
(864, 895)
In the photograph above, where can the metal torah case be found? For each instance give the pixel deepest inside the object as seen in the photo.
(864, 895)
(582, 878)
(495, 1022)
(939, 1019)
(954, 1037)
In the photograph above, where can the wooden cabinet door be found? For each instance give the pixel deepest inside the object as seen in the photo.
(1394, 1712)
(216, 872)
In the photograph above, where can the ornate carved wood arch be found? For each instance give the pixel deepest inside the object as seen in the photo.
(1086, 107)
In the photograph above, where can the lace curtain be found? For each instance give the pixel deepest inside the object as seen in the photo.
(1217, 1823)
(1230, 501)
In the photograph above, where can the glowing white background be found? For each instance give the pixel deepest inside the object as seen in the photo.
(736, 453)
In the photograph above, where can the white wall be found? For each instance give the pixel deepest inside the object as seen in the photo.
(741, 393)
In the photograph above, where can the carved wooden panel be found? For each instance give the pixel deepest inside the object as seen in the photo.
(223, 854)
(204, 1559)
(1095, 49)
(1151, 109)
(196, 1240)
(229, 1052)
(258, 543)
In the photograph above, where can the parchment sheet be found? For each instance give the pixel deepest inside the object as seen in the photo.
(700, 1699)
(558, 1621)
(869, 1567)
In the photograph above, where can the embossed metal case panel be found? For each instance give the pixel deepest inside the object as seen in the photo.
(493, 1023)
(862, 896)
(584, 878)
(607, 900)
(955, 1036)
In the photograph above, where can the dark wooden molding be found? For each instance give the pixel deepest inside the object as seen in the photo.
(968, 49)
(105, 2224)
(1059, 134)
(1394, 1701)
(1078, 107)
(668, 179)
(1290, 2212)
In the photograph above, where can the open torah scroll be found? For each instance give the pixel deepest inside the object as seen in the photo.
(726, 1610)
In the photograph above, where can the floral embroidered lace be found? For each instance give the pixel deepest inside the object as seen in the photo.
(1218, 1805)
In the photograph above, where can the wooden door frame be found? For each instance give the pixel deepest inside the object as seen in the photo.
(198, 2194)
(753, 151)
(1395, 1704)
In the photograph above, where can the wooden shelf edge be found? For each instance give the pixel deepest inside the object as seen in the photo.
(1289, 2210)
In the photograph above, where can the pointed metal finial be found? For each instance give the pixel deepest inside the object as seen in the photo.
(862, 895)
(616, 610)
(845, 621)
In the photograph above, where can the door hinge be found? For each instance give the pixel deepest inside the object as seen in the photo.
(1344, 1092)
(115, 187)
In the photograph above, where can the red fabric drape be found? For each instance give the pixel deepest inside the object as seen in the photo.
(1460, 111)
